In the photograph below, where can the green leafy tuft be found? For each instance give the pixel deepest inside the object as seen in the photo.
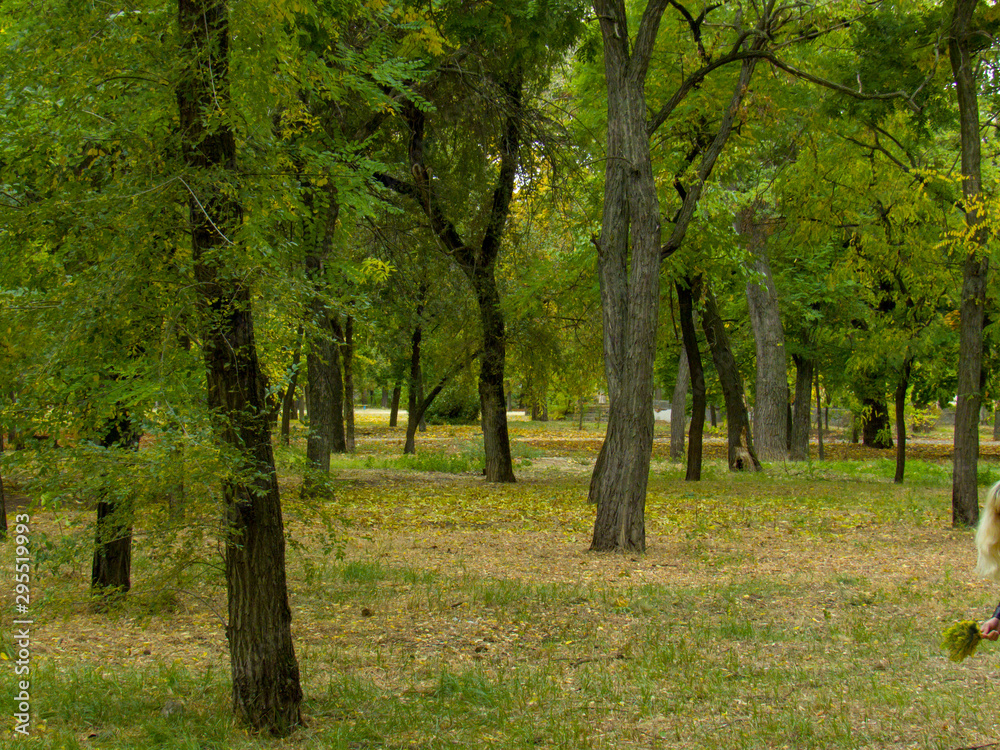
(961, 639)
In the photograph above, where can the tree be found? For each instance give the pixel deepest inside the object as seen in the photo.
(963, 39)
(770, 424)
(487, 81)
(112, 565)
(265, 674)
(742, 456)
(630, 251)
(478, 263)
(678, 407)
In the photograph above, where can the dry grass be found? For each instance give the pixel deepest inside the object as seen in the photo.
(801, 608)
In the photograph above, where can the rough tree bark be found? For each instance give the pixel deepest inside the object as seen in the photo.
(770, 425)
(678, 408)
(965, 491)
(338, 433)
(802, 408)
(742, 456)
(628, 257)
(265, 676)
(629, 264)
(324, 387)
(493, 404)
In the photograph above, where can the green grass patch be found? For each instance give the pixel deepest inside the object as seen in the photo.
(798, 607)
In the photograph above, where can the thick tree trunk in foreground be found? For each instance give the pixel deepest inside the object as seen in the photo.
(265, 674)
(112, 564)
(742, 456)
(628, 257)
(901, 388)
(770, 425)
(965, 491)
(687, 294)
(629, 269)
(802, 408)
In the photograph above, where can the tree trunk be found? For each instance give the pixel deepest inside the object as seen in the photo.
(338, 435)
(819, 419)
(687, 295)
(771, 391)
(397, 391)
(802, 408)
(629, 254)
(112, 564)
(875, 428)
(493, 403)
(347, 355)
(965, 490)
(901, 388)
(678, 408)
(741, 451)
(321, 364)
(419, 406)
(478, 264)
(324, 390)
(288, 399)
(413, 412)
(628, 258)
(265, 674)
(996, 420)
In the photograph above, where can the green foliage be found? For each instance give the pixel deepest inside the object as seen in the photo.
(458, 403)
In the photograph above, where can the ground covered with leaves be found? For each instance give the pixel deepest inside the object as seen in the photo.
(802, 607)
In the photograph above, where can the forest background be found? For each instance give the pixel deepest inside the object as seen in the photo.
(215, 212)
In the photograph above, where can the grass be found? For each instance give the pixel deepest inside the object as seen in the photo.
(797, 608)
